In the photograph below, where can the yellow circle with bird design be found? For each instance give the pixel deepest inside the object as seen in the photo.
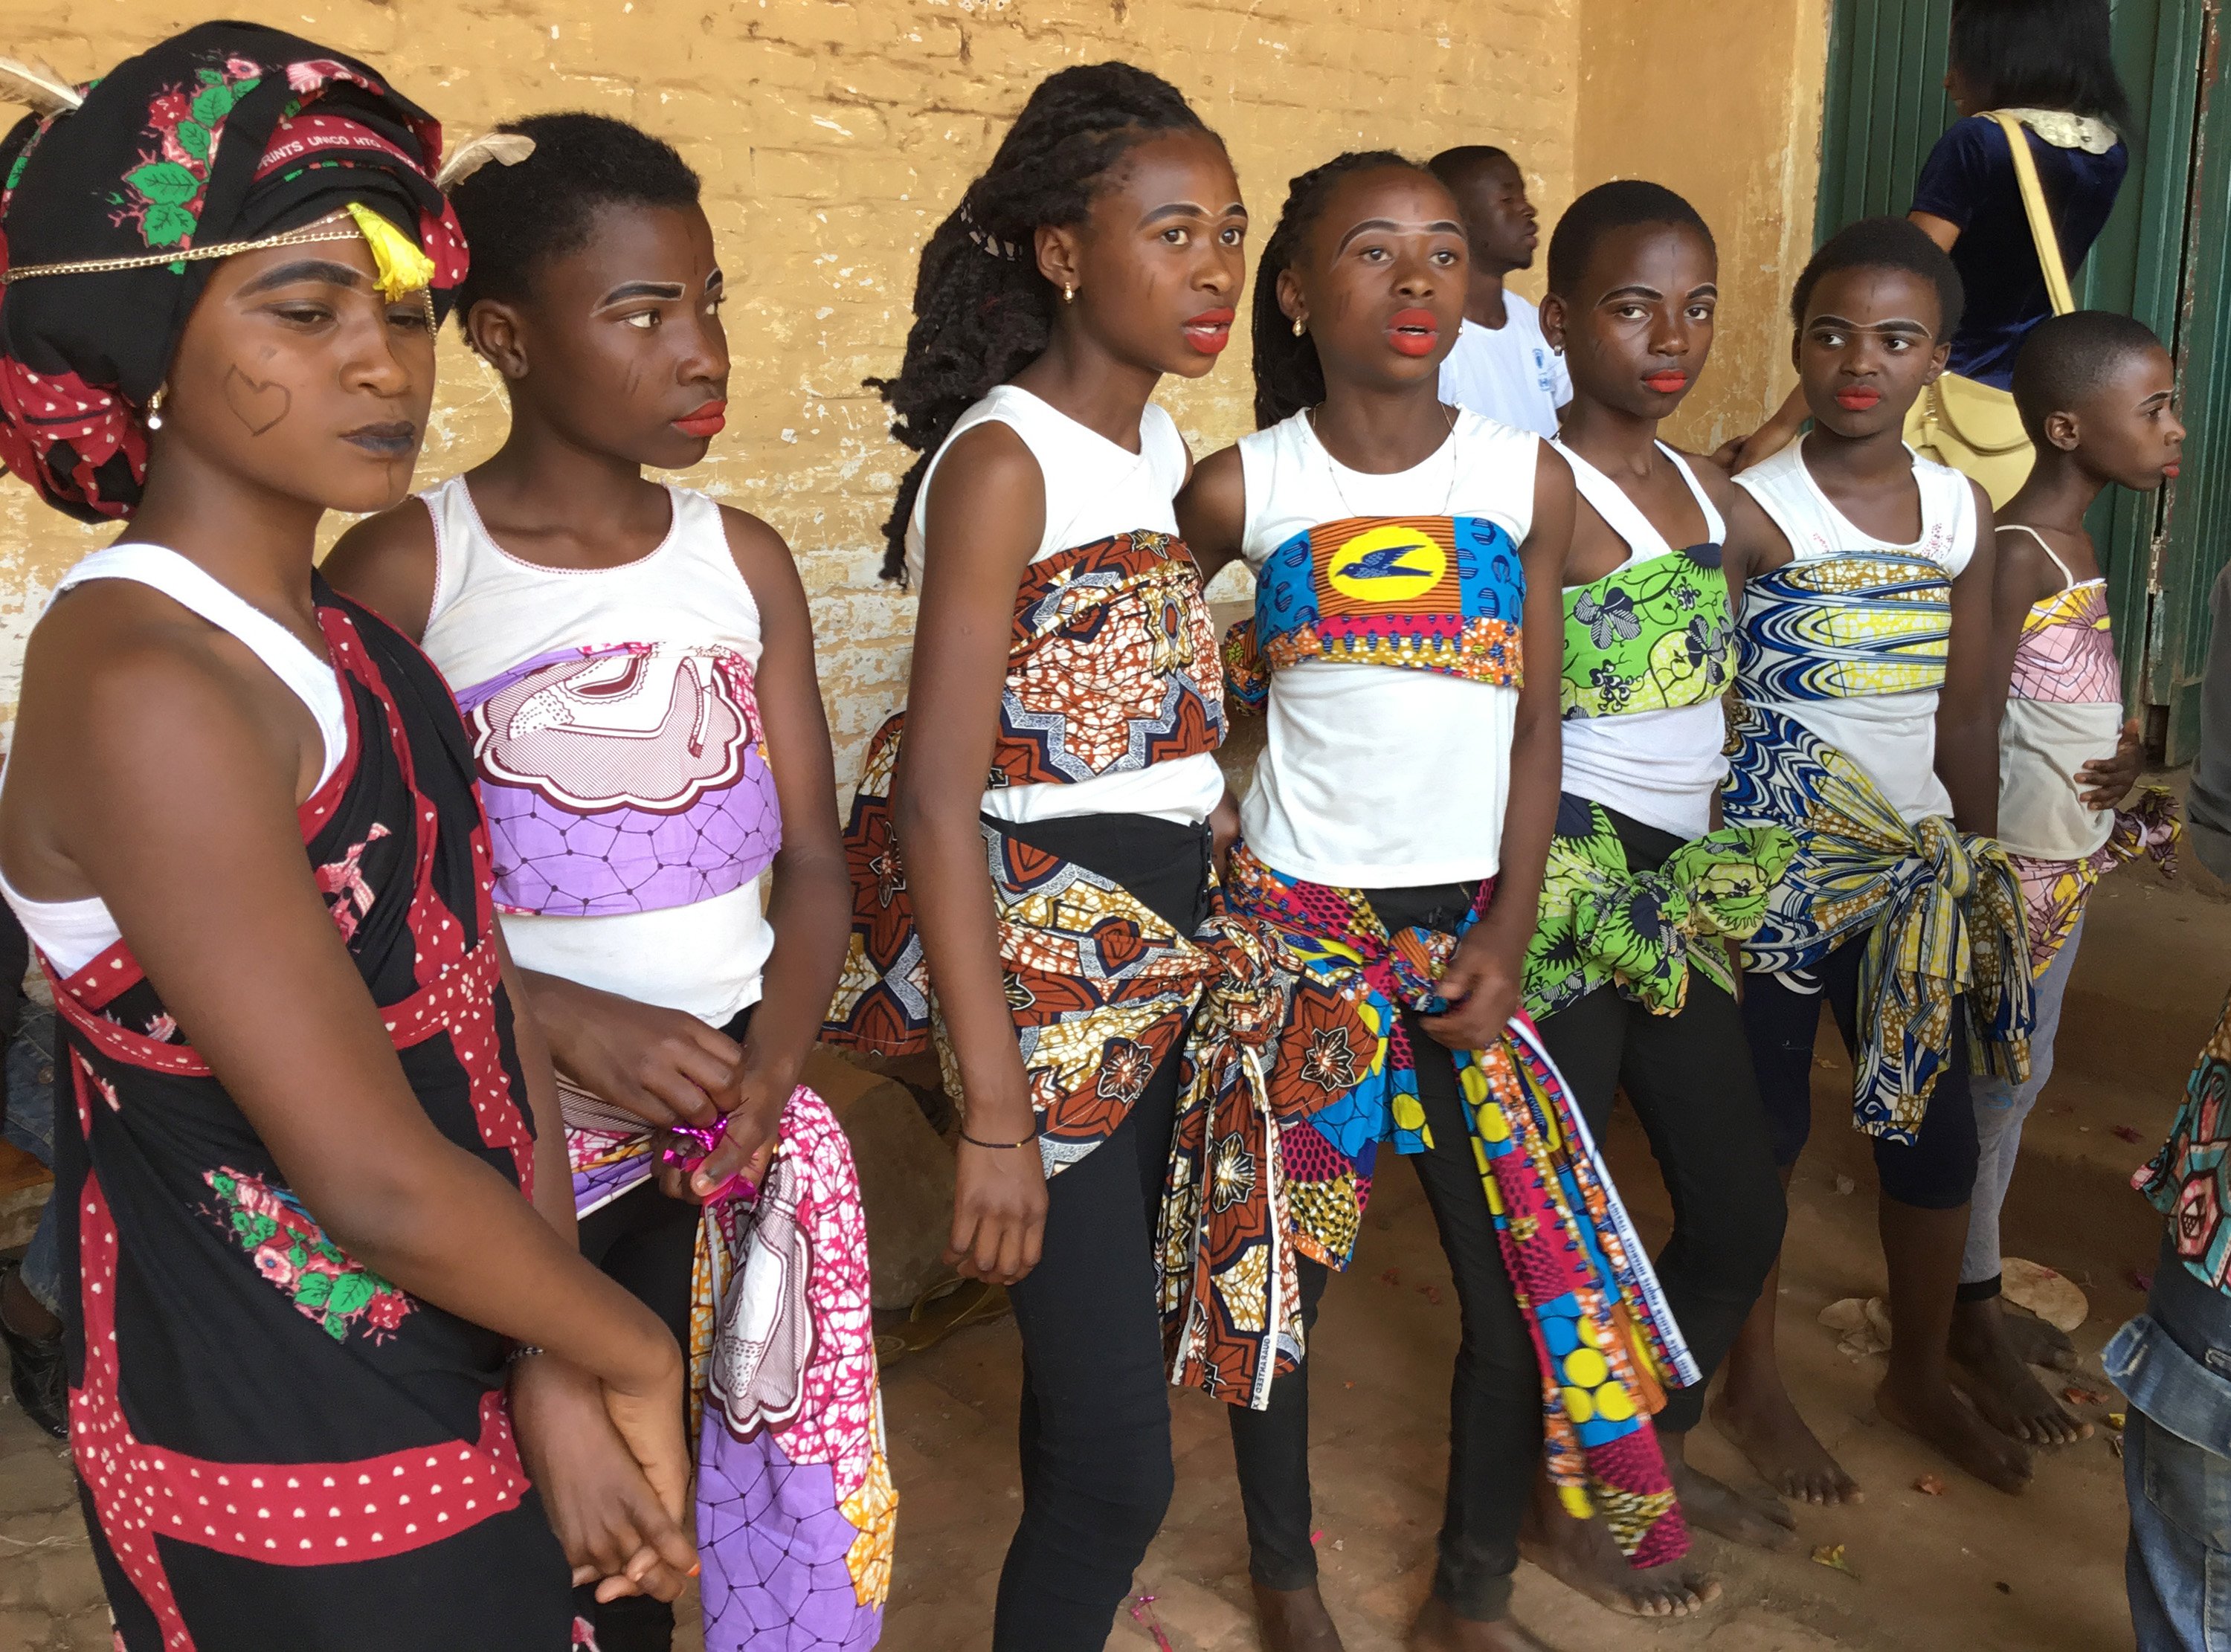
(1392, 562)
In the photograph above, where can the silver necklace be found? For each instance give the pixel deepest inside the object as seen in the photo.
(1456, 470)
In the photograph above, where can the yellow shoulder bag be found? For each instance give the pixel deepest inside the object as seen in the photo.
(1972, 426)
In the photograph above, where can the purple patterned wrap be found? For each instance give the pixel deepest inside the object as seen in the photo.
(622, 780)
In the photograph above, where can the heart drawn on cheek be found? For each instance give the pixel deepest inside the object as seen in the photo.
(257, 406)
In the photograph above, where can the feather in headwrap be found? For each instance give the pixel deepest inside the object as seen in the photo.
(227, 134)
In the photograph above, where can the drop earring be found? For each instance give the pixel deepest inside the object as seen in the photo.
(155, 407)
(1300, 326)
(1068, 293)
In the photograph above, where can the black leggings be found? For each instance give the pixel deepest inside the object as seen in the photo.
(1095, 1428)
(1495, 1400)
(1781, 1015)
(1689, 1080)
(647, 1242)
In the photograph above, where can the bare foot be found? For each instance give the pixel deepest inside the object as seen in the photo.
(1295, 1620)
(1937, 1414)
(1762, 1424)
(1993, 1375)
(1439, 1630)
(1718, 1507)
(2036, 1342)
(1580, 1555)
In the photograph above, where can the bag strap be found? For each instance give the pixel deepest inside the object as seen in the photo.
(2040, 218)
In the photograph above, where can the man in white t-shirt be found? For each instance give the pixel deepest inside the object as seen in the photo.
(1502, 366)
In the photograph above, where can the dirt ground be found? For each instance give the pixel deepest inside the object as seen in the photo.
(1971, 1569)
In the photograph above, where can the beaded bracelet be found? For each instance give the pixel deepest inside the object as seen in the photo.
(1002, 1146)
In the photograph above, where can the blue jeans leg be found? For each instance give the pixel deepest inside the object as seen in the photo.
(2178, 1563)
(2001, 1110)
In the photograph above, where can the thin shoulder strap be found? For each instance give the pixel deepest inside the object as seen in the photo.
(2066, 578)
(1715, 526)
(1621, 515)
(313, 680)
(2040, 218)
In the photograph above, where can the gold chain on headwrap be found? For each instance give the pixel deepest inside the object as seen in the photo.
(185, 256)
(401, 265)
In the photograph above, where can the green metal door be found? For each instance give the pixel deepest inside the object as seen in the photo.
(2194, 542)
(1886, 108)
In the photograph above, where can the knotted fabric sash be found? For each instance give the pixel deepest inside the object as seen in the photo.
(1942, 909)
(1645, 931)
(1844, 627)
(796, 1513)
(1649, 635)
(1111, 666)
(1102, 991)
(1604, 1335)
(1419, 593)
(2053, 892)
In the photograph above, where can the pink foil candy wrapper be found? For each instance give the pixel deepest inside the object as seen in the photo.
(692, 1145)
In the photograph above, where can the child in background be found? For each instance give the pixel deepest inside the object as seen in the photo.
(635, 663)
(1630, 976)
(2170, 1360)
(1869, 730)
(2095, 393)
(1502, 366)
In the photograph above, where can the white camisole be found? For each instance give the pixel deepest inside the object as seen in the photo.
(660, 627)
(1659, 767)
(1094, 489)
(2042, 743)
(1379, 776)
(72, 934)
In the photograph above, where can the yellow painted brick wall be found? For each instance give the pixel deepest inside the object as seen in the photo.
(833, 137)
(1721, 102)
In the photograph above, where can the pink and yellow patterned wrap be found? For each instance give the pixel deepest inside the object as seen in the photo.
(796, 1512)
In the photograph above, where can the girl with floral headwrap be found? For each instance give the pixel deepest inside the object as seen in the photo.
(317, 1195)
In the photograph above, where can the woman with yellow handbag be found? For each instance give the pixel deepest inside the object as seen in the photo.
(2016, 190)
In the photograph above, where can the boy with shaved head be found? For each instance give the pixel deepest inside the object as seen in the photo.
(1502, 366)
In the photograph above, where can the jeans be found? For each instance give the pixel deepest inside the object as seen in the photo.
(1781, 1015)
(30, 1125)
(1495, 1400)
(2001, 1108)
(2173, 1362)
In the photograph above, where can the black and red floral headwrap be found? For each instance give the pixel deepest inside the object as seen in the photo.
(227, 133)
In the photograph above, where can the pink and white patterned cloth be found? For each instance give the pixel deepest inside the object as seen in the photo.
(796, 1513)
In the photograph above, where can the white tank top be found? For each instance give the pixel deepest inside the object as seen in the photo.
(1891, 737)
(1660, 767)
(616, 731)
(1378, 777)
(72, 934)
(1094, 489)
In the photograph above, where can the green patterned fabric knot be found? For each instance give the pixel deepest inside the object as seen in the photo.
(1603, 923)
(1652, 635)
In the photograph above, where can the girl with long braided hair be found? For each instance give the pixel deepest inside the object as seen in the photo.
(1409, 561)
(1060, 913)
